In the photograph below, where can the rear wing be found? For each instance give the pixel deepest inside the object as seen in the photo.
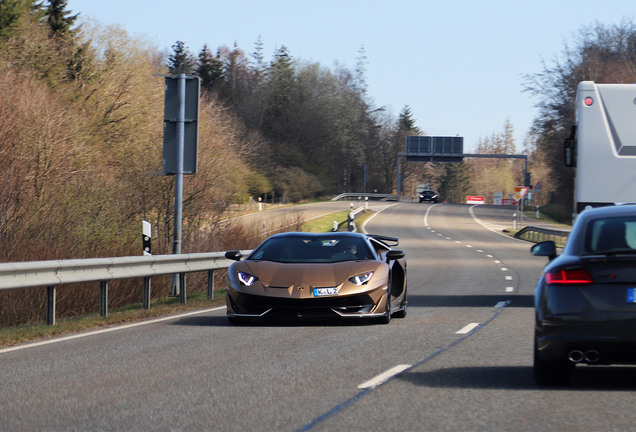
(388, 241)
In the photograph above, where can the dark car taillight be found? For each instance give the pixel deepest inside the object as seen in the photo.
(569, 277)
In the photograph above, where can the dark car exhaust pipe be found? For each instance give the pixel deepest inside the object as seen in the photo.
(576, 356)
(589, 356)
(592, 356)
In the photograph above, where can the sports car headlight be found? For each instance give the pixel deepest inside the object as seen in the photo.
(246, 278)
(361, 279)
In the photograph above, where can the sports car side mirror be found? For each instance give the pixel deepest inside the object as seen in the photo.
(394, 255)
(546, 248)
(234, 255)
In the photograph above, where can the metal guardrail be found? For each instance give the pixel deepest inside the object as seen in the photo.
(51, 274)
(380, 197)
(538, 234)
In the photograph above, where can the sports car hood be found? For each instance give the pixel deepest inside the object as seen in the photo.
(283, 275)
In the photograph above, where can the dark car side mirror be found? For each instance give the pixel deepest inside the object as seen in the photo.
(234, 255)
(546, 248)
(394, 255)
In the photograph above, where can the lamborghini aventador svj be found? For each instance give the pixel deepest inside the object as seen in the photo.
(305, 275)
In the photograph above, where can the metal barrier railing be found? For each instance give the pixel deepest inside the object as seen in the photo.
(538, 234)
(371, 196)
(51, 274)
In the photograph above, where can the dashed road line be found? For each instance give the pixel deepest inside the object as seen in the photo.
(468, 328)
(364, 392)
(383, 377)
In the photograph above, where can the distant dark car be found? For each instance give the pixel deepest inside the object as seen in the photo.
(307, 275)
(428, 196)
(585, 302)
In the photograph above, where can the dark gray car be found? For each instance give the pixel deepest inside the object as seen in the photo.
(428, 196)
(585, 302)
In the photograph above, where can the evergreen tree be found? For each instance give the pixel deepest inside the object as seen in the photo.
(209, 69)
(406, 123)
(180, 61)
(280, 93)
(58, 19)
(257, 55)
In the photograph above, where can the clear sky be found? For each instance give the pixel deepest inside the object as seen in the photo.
(459, 64)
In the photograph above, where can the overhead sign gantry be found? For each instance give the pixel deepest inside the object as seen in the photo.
(443, 149)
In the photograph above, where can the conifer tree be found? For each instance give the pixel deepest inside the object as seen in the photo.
(58, 19)
(180, 61)
(209, 69)
(406, 123)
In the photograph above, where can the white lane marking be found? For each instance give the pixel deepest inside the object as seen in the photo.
(508, 277)
(427, 212)
(497, 262)
(468, 328)
(504, 269)
(448, 238)
(489, 256)
(107, 330)
(384, 376)
(364, 225)
(492, 227)
(480, 251)
(510, 289)
(457, 241)
(468, 246)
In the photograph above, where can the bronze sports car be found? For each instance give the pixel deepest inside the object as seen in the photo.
(305, 275)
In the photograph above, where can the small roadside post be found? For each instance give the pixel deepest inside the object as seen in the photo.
(146, 237)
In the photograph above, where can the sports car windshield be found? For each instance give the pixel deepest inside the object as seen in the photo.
(312, 250)
(612, 235)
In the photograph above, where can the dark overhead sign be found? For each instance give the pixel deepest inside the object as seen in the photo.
(434, 149)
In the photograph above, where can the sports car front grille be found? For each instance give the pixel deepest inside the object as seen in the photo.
(314, 307)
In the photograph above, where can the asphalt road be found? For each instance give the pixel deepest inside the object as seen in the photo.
(196, 372)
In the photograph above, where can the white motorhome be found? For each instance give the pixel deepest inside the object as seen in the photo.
(602, 145)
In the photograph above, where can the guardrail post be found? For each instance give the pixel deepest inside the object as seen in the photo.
(210, 284)
(51, 294)
(146, 297)
(103, 298)
(182, 294)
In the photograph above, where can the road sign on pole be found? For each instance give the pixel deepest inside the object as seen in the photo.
(521, 192)
(172, 124)
(180, 140)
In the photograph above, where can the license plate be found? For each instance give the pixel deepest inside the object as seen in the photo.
(318, 292)
(631, 295)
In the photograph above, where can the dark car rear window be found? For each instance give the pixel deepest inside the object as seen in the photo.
(611, 235)
(304, 250)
